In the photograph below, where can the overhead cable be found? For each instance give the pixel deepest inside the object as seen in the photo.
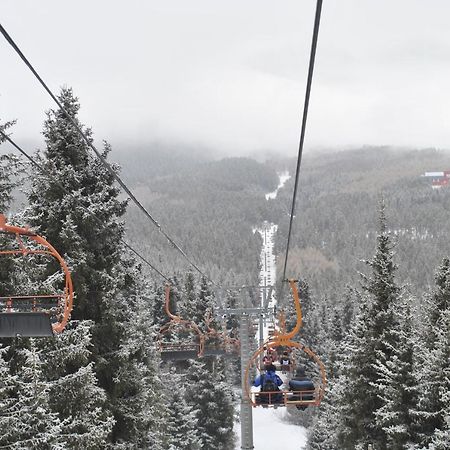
(99, 155)
(302, 134)
(66, 191)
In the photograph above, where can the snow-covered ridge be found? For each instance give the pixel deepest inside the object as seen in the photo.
(283, 176)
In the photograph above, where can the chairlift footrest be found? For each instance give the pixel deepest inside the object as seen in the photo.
(25, 324)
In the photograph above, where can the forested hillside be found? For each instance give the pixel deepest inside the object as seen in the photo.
(336, 218)
(369, 204)
(210, 207)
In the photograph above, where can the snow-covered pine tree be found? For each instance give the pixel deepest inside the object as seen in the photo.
(189, 304)
(140, 406)
(157, 303)
(9, 165)
(369, 347)
(209, 393)
(86, 229)
(355, 407)
(182, 420)
(8, 387)
(322, 433)
(84, 226)
(35, 426)
(397, 384)
(434, 363)
(206, 302)
(441, 435)
(196, 302)
(74, 392)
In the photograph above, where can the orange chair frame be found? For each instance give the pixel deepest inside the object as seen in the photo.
(283, 339)
(177, 321)
(66, 299)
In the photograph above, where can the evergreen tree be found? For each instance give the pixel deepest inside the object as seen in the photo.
(397, 385)
(86, 229)
(182, 420)
(156, 300)
(140, 409)
(434, 365)
(35, 425)
(84, 225)
(370, 348)
(210, 395)
(356, 405)
(74, 392)
(8, 387)
(441, 356)
(196, 304)
(9, 165)
(322, 432)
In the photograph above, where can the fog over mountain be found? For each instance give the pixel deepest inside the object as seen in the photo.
(230, 77)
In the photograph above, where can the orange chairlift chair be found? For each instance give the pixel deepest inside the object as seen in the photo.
(301, 398)
(179, 350)
(37, 315)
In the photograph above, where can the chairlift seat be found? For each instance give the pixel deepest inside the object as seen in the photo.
(178, 355)
(25, 324)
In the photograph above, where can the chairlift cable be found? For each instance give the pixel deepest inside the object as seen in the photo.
(66, 191)
(302, 134)
(99, 155)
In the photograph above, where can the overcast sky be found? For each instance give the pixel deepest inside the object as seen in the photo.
(230, 75)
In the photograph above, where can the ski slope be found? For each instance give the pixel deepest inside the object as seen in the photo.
(270, 432)
(284, 176)
(268, 271)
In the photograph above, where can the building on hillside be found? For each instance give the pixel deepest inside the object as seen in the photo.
(438, 179)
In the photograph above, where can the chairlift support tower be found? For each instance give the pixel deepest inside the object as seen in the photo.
(245, 315)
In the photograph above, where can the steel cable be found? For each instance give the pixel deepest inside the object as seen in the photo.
(99, 155)
(302, 134)
(67, 192)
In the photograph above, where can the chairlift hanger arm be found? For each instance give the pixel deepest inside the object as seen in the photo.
(50, 251)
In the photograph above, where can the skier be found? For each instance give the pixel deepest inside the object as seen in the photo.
(270, 382)
(300, 384)
(285, 362)
(272, 353)
(267, 360)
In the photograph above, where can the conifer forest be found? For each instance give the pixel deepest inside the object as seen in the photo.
(161, 295)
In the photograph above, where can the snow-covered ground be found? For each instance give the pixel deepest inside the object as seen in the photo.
(270, 432)
(284, 176)
(268, 269)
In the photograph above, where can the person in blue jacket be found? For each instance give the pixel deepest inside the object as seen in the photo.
(303, 387)
(269, 382)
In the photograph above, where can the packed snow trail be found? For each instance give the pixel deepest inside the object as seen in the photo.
(284, 176)
(268, 272)
(269, 430)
